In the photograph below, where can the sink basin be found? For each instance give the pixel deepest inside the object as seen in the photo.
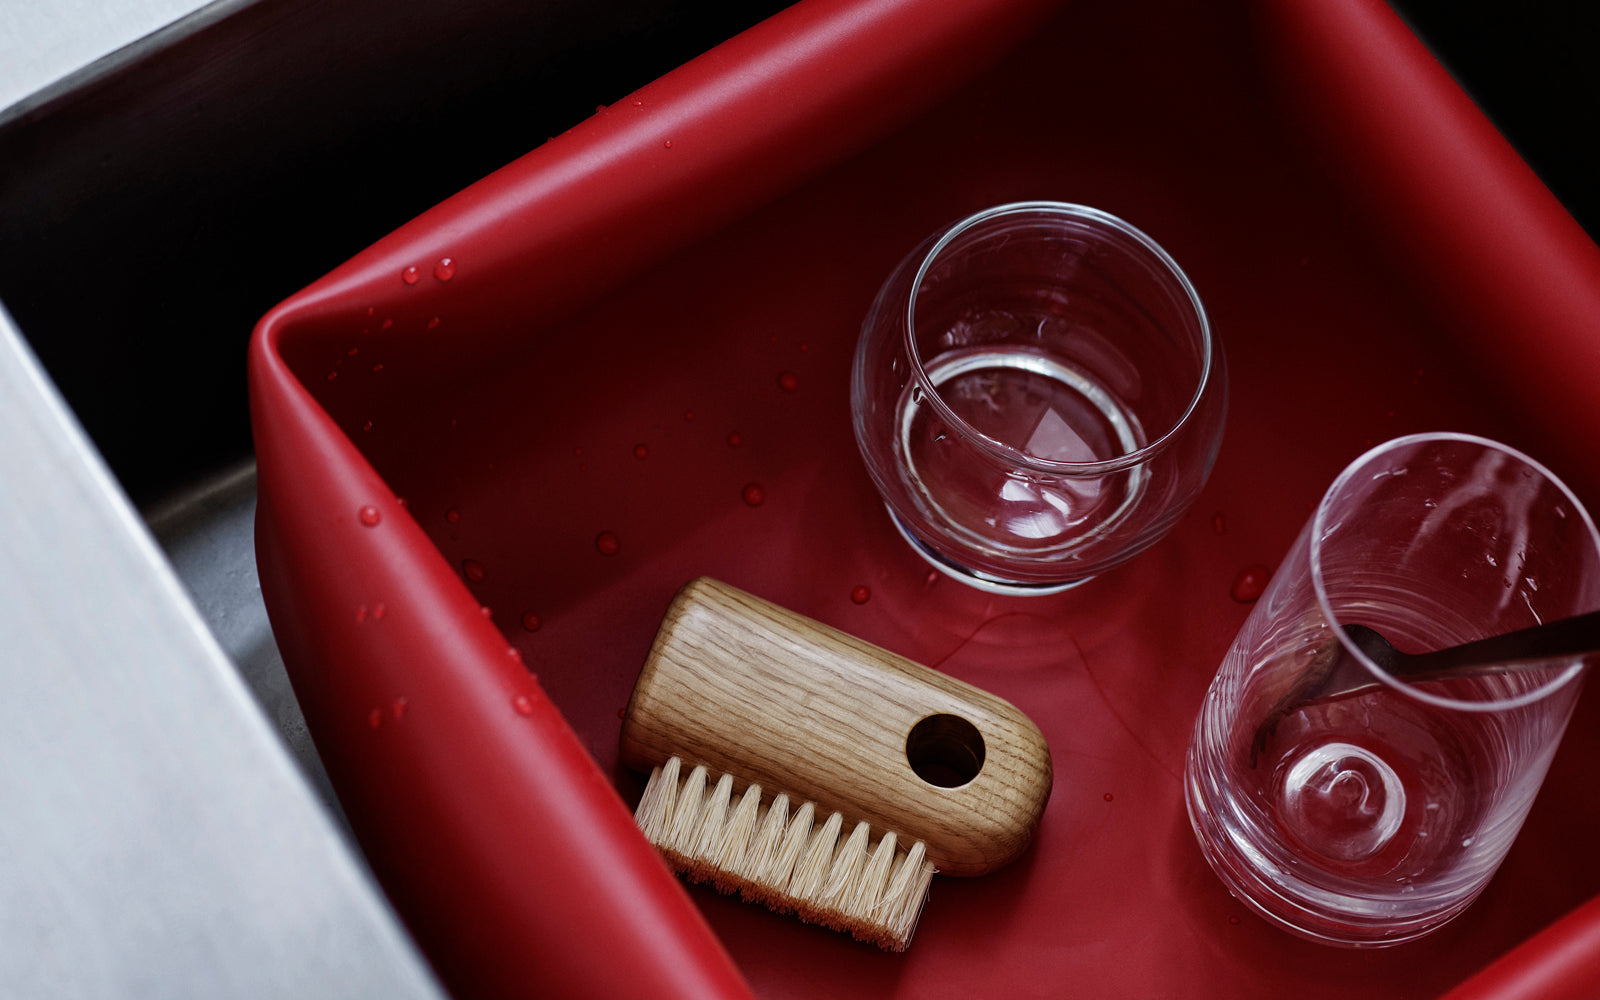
(159, 200)
(494, 443)
(171, 170)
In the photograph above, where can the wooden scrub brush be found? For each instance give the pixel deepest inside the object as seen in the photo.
(818, 774)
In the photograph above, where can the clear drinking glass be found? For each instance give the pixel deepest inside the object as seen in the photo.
(1372, 819)
(1037, 395)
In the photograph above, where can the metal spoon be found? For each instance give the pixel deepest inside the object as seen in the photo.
(1337, 673)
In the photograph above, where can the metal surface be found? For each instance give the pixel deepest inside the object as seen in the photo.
(207, 531)
(168, 170)
(46, 49)
(155, 838)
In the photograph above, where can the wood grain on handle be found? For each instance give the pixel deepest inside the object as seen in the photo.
(754, 690)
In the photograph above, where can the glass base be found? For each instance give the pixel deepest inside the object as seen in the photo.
(975, 579)
(1297, 908)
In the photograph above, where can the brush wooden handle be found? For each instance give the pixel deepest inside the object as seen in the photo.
(759, 692)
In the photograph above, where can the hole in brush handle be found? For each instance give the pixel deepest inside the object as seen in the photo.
(945, 750)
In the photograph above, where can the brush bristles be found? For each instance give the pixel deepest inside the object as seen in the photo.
(752, 845)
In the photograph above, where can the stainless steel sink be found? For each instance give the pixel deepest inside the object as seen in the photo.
(168, 171)
(207, 534)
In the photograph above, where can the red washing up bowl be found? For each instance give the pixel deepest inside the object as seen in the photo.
(493, 445)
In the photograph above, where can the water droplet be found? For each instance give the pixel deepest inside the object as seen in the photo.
(1219, 523)
(453, 516)
(788, 382)
(332, 376)
(1467, 841)
(754, 495)
(411, 275)
(378, 367)
(514, 653)
(530, 621)
(1108, 797)
(445, 269)
(1249, 585)
(861, 595)
(367, 426)
(370, 516)
(485, 611)
(523, 704)
(607, 543)
(372, 310)
(352, 352)
(433, 324)
(472, 569)
(378, 611)
(361, 614)
(399, 708)
(1233, 919)
(375, 718)
(667, 144)
(387, 324)
(931, 579)
(735, 439)
(641, 451)
(400, 500)
(917, 395)
(688, 414)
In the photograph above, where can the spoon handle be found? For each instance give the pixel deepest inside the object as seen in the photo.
(1564, 637)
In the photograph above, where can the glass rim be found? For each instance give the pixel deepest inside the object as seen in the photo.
(1015, 456)
(1319, 583)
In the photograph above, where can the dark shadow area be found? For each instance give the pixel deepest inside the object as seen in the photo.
(1532, 68)
(152, 216)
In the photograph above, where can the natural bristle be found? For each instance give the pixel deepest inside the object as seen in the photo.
(753, 845)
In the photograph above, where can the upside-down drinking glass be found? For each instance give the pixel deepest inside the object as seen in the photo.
(1373, 817)
(1037, 395)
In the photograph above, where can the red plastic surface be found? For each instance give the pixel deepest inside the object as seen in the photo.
(654, 313)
